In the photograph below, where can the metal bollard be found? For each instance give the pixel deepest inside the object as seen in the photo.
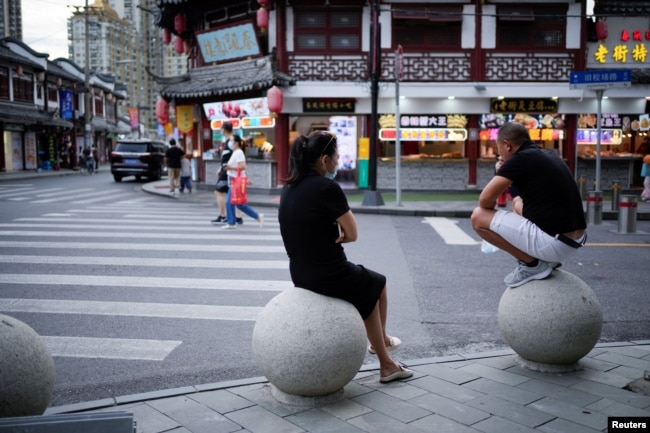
(582, 186)
(627, 214)
(594, 207)
(616, 193)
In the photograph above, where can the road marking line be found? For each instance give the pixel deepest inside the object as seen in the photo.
(152, 262)
(145, 247)
(449, 231)
(155, 282)
(184, 236)
(109, 348)
(167, 311)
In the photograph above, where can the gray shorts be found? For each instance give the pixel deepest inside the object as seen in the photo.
(526, 236)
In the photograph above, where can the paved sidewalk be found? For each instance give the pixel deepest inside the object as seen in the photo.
(483, 392)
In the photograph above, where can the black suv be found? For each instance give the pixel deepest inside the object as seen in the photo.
(138, 158)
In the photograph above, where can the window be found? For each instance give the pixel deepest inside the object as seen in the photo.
(23, 88)
(536, 27)
(427, 28)
(52, 93)
(4, 83)
(333, 30)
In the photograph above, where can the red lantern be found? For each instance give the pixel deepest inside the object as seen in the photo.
(274, 100)
(166, 36)
(178, 45)
(59, 82)
(179, 23)
(262, 19)
(162, 111)
(601, 30)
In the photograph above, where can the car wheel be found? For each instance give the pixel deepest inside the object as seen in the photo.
(157, 174)
(117, 178)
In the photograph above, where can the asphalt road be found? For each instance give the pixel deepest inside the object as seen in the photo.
(135, 293)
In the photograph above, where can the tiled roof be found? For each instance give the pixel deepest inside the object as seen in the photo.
(224, 79)
(621, 7)
(8, 56)
(14, 113)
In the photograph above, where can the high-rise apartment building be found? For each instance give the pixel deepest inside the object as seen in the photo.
(11, 21)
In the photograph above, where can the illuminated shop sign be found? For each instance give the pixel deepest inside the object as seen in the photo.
(244, 123)
(631, 47)
(607, 136)
(628, 123)
(255, 107)
(424, 127)
(424, 134)
(518, 105)
(544, 127)
(328, 105)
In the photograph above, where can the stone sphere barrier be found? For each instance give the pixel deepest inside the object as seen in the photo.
(308, 346)
(552, 323)
(26, 370)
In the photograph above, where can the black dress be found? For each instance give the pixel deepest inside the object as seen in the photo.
(307, 214)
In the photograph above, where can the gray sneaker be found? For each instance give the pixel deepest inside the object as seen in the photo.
(523, 274)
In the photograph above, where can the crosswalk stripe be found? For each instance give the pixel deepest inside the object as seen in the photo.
(109, 348)
(54, 196)
(118, 225)
(71, 218)
(157, 282)
(219, 235)
(170, 311)
(265, 249)
(103, 197)
(449, 231)
(152, 262)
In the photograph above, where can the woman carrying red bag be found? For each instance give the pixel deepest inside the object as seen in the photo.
(237, 162)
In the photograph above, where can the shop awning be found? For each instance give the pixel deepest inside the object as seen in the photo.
(12, 113)
(224, 79)
(100, 124)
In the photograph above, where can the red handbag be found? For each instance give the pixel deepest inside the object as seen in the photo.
(238, 189)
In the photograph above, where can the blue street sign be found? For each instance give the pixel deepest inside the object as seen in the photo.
(598, 80)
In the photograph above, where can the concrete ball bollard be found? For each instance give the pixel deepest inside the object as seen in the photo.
(552, 323)
(308, 345)
(26, 370)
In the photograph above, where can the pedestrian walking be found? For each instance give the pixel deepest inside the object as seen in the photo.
(237, 161)
(186, 174)
(221, 187)
(315, 220)
(173, 157)
(547, 222)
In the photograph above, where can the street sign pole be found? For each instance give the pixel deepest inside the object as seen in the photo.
(599, 115)
(398, 144)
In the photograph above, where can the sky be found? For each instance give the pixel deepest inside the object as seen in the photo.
(45, 24)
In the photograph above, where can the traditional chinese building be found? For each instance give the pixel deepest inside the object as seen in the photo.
(447, 75)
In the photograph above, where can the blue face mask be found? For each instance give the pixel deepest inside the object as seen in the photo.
(231, 144)
(331, 175)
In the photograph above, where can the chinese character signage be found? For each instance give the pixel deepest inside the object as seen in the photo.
(328, 105)
(518, 105)
(626, 46)
(229, 43)
(185, 118)
(424, 127)
(66, 106)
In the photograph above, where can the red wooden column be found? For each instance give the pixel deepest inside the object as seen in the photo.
(471, 150)
(282, 122)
